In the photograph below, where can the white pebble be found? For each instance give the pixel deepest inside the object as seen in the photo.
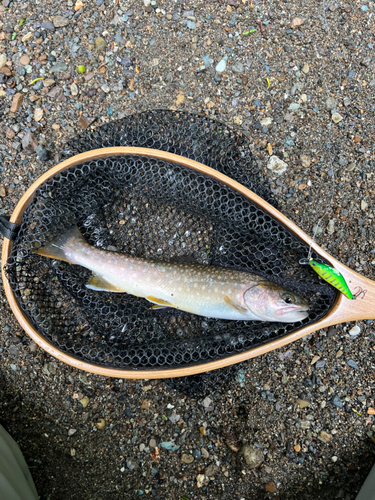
(266, 121)
(355, 331)
(364, 205)
(276, 165)
(334, 459)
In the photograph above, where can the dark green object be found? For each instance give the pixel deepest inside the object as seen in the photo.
(331, 276)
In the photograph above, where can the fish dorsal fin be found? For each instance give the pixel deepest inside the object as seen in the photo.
(235, 306)
(97, 282)
(159, 302)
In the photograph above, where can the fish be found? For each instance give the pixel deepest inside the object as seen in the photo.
(203, 290)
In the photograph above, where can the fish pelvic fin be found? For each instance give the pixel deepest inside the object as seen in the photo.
(235, 306)
(56, 249)
(98, 283)
(159, 302)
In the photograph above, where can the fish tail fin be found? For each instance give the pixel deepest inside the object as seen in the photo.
(56, 249)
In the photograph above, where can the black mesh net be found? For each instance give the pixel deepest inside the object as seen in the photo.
(155, 209)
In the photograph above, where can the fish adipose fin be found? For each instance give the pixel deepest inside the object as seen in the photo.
(99, 283)
(235, 306)
(159, 302)
(56, 249)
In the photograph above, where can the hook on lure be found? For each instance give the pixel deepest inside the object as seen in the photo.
(330, 275)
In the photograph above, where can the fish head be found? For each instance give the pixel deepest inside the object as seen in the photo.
(271, 302)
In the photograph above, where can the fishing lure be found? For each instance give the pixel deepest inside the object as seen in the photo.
(331, 276)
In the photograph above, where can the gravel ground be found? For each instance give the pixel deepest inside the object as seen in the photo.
(298, 79)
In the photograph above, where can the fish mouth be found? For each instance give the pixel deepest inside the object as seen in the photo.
(291, 311)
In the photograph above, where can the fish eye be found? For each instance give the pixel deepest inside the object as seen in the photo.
(288, 298)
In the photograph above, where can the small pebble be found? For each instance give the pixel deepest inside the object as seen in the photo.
(58, 68)
(207, 402)
(100, 44)
(174, 418)
(221, 65)
(297, 21)
(253, 456)
(201, 480)
(47, 25)
(16, 103)
(337, 402)
(43, 154)
(355, 331)
(168, 445)
(270, 487)
(302, 403)
(305, 161)
(276, 165)
(323, 436)
(24, 60)
(74, 89)
(336, 118)
(38, 114)
(100, 424)
(331, 226)
(237, 67)
(187, 459)
(352, 364)
(331, 103)
(84, 401)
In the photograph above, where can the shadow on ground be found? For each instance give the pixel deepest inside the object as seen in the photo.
(57, 476)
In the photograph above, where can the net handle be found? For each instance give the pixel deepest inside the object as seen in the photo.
(343, 310)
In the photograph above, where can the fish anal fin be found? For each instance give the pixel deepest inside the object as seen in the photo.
(233, 304)
(97, 282)
(159, 302)
(158, 307)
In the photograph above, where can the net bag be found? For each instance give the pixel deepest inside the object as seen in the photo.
(153, 208)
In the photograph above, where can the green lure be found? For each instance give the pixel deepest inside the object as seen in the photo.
(331, 276)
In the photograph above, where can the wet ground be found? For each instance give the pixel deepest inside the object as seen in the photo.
(299, 81)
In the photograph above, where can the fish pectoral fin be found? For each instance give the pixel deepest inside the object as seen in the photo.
(97, 282)
(235, 306)
(159, 302)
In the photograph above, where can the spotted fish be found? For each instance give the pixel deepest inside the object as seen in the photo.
(209, 291)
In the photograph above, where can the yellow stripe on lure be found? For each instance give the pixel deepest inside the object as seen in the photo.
(331, 276)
